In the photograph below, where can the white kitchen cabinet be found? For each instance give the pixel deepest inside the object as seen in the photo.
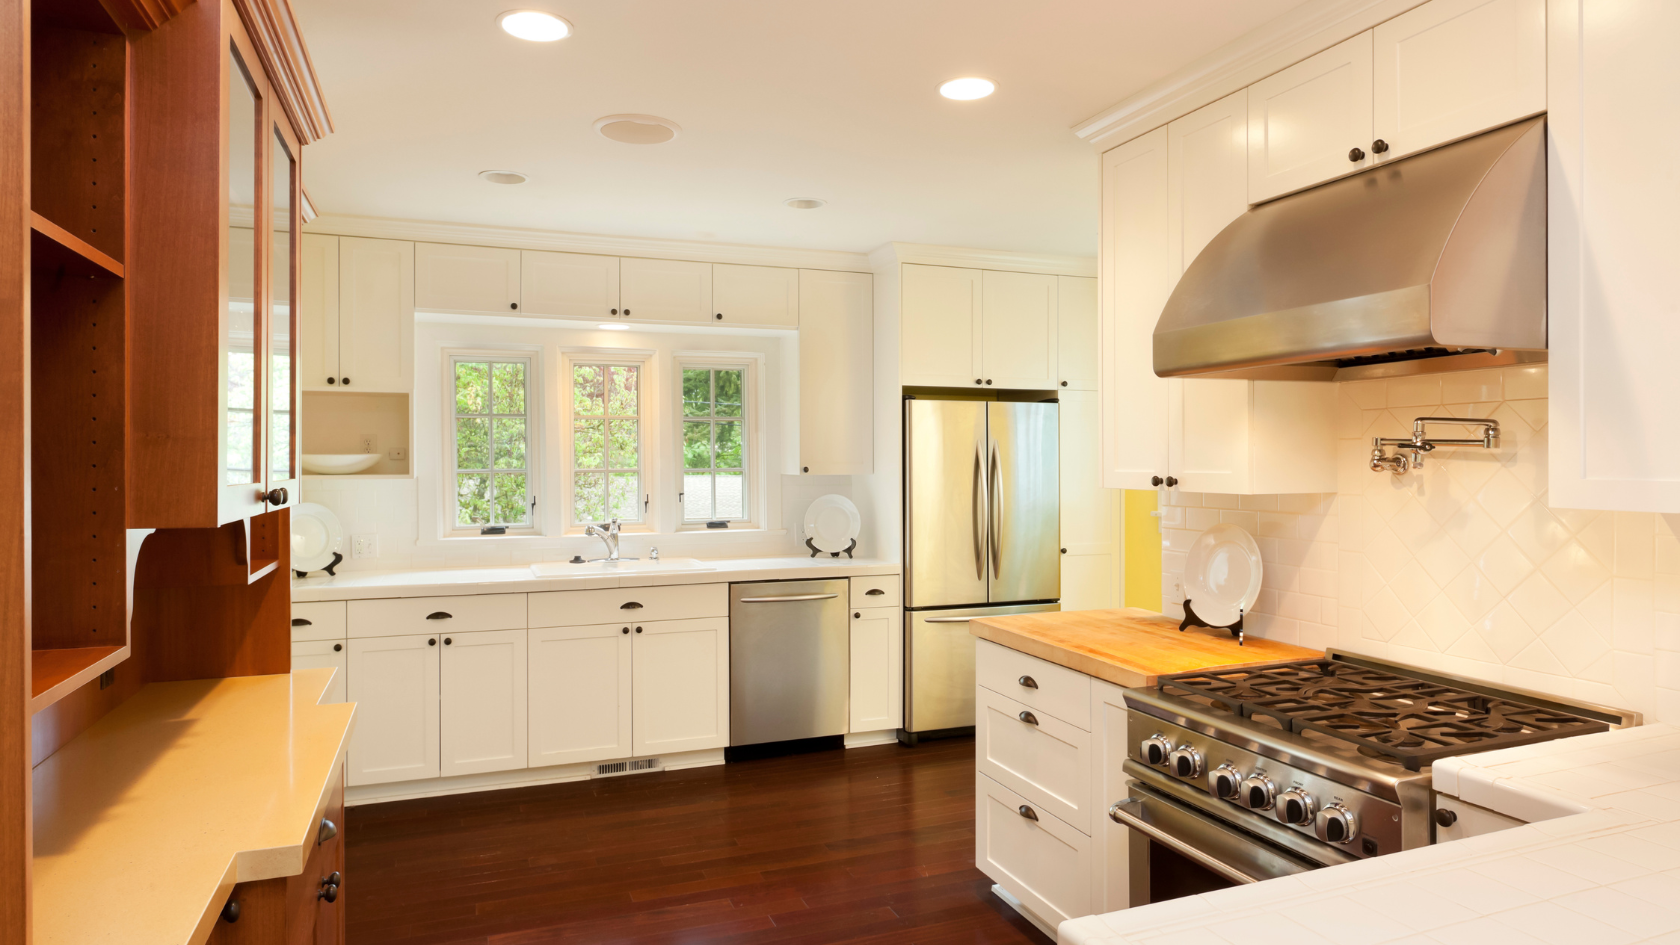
(877, 669)
(1453, 68)
(1110, 746)
(375, 316)
(323, 654)
(755, 296)
(579, 694)
(568, 285)
(473, 279)
(665, 290)
(1138, 269)
(482, 686)
(1311, 122)
(1207, 175)
(1612, 242)
(394, 683)
(1077, 351)
(1042, 861)
(1088, 523)
(940, 326)
(680, 689)
(318, 312)
(836, 373)
(1018, 330)
(318, 620)
(1254, 437)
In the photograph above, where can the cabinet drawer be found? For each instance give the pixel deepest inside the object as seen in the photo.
(1040, 757)
(318, 620)
(876, 590)
(609, 605)
(1043, 862)
(1039, 684)
(398, 616)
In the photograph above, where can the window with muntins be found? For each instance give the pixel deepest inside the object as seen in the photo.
(714, 444)
(493, 484)
(607, 443)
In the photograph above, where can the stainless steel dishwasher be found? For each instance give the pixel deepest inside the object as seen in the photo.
(789, 660)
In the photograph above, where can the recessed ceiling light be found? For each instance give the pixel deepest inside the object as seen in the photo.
(534, 25)
(637, 129)
(805, 203)
(503, 177)
(968, 89)
(613, 327)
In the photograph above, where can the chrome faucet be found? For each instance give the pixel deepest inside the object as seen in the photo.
(608, 533)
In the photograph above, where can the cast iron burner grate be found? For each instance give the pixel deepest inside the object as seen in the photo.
(1414, 721)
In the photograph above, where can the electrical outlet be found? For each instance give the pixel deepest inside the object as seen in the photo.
(365, 546)
(370, 443)
(397, 452)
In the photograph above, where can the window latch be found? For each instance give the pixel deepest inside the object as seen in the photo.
(647, 498)
(493, 530)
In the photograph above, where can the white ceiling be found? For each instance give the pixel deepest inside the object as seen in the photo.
(776, 98)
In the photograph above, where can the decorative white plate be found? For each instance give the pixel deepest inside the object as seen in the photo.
(316, 534)
(832, 522)
(338, 464)
(1222, 577)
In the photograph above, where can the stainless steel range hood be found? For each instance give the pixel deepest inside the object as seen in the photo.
(1432, 255)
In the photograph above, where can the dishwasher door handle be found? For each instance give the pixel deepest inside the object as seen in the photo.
(777, 600)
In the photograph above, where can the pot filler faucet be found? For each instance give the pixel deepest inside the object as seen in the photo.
(1421, 445)
(608, 533)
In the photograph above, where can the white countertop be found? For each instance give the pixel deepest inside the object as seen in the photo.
(363, 585)
(1604, 870)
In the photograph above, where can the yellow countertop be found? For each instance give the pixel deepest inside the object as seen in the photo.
(144, 822)
(1129, 647)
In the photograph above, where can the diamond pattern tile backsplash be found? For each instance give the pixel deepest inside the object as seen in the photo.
(1460, 566)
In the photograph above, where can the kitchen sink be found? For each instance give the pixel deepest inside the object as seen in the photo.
(621, 566)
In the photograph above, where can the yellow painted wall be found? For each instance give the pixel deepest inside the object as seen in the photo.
(1143, 550)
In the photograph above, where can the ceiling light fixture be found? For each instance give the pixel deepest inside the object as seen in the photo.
(534, 25)
(968, 89)
(503, 177)
(613, 327)
(637, 129)
(805, 203)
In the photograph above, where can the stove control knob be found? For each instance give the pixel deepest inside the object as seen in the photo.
(1186, 762)
(1297, 807)
(1223, 782)
(1257, 793)
(1156, 748)
(1336, 824)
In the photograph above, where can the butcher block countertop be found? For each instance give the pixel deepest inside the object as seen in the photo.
(1130, 647)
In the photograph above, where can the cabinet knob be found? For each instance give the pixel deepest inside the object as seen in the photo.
(1064, 551)
(1445, 817)
(614, 311)
(1064, 383)
(1027, 717)
(626, 313)
(1027, 682)
(432, 642)
(719, 316)
(638, 629)
(328, 831)
(988, 382)
(328, 892)
(1027, 812)
(1155, 480)
(1172, 482)
(514, 306)
(630, 605)
(277, 496)
(448, 641)
(625, 630)
(338, 647)
(230, 911)
(804, 469)
(332, 380)
(333, 880)
(345, 381)
(978, 381)
(1356, 155)
(857, 615)
(1379, 146)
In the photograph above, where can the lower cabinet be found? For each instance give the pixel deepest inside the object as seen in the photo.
(323, 654)
(304, 909)
(394, 683)
(676, 705)
(1110, 874)
(1031, 853)
(580, 694)
(482, 718)
(1035, 753)
(877, 673)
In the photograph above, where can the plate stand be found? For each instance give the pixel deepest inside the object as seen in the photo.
(847, 551)
(338, 557)
(1191, 620)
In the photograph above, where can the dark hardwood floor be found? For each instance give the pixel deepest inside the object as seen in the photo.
(872, 845)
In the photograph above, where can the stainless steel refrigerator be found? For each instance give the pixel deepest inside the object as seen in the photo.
(982, 538)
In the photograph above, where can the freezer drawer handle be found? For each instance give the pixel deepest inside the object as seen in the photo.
(1027, 682)
(948, 619)
(1120, 814)
(775, 600)
(1028, 813)
(1028, 717)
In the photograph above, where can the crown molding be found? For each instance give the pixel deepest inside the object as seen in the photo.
(470, 234)
(1301, 33)
(274, 32)
(965, 258)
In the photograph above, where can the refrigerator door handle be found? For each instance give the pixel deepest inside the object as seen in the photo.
(995, 527)
(976, 506)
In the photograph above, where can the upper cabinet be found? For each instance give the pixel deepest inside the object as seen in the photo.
(755, 296)
(1018, 330)
(665, 290)
(978, 328)
(1310, 122)
(356, 312)
(836, 373)
(482, 279)
(568, 285)
(1076, 331)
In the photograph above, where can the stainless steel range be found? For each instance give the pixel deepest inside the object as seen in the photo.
(1248, 774)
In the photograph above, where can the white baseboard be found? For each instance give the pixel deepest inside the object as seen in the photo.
(865, 739)
(1026, 913)
(522, 777)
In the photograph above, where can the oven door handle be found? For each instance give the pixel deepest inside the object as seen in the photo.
(1129, 813)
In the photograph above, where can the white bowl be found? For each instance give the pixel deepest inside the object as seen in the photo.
(338, 464)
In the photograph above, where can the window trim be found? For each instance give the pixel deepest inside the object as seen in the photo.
(752, 398)
(535, 436)
(644, 360)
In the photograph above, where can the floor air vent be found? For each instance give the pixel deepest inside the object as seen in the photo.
(627, 767)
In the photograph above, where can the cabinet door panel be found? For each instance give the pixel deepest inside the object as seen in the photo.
(761, 296)
(1452, 68)
(1110, 860)
(323, 654)
(579, 685)
(1077, 351)
(1045, 863)
(483, 693)
(376, 314)
(1018, 330)
(1139, 270)
(940, 326)
(836, 373)
(681, 688)
(573, 285)
(877, 700)
(1304, 121)
(665, 290)
(1207, 174)
(1088, 582)
(318, 312)
(1087, 509)
(1210, 430)
(394, 683)
(482, 279)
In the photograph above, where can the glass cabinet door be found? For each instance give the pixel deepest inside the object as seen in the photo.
(282, 330)
(240, 420)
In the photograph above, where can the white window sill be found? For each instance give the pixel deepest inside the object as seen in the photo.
(570, 539)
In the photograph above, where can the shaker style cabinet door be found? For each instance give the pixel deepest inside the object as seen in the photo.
(665, 290)
(1077, 351)
(318, 312)
(836, 373)
(1311, 122)
(1207, 174)
(940, 326)
(323, 654)
(1087, 509)
(481, 279)
(755, 296)
(579, 694)
(1018, 330)
(1453, 68)
(482, 684)
(376, 315)
(568, 285)
(877, 696)
(681, 688)
(394, 683)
